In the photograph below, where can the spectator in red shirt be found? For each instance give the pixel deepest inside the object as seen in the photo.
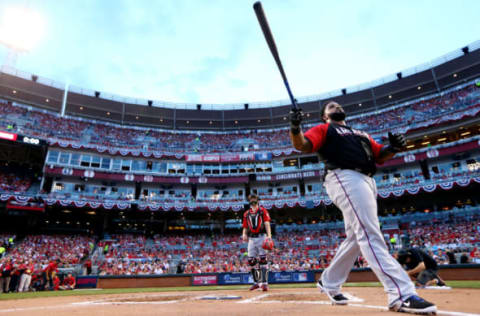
(56, 283)
(68, 283)
(88, 266)
(50, 272)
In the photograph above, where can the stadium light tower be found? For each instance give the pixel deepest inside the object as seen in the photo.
(20, 30)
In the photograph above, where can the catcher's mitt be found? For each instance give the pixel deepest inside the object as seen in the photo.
(268, 244)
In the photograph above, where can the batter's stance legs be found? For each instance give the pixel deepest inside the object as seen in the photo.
(355, 195)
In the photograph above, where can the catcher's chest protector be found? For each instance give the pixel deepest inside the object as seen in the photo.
(255, 222)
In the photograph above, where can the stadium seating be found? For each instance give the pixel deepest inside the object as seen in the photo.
(14, 180)
(411, 115)
(298, 248)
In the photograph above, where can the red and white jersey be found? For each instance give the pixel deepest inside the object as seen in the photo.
(254, 221)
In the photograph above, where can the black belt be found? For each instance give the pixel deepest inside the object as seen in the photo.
(256, 235)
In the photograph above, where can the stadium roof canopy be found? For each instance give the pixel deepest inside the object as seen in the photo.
(449, 70)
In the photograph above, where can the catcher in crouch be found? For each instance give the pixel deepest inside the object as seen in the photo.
(256, 222)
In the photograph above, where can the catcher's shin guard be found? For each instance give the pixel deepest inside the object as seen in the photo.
(263, 269)
(256, 275)
(264, 274)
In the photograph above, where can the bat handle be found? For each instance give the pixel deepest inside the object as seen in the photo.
(290, 94)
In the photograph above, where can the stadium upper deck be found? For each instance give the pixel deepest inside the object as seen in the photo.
(450, 70)
(453, 104)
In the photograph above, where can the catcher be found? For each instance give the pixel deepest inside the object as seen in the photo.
(256, 222)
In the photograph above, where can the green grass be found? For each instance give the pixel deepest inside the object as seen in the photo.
(12, 296)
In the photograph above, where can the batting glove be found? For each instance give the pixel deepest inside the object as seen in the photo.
(397, 142)
(296, 118)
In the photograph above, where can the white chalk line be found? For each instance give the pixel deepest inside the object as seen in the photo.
(33, 308)
(253, 299)
(439, 312)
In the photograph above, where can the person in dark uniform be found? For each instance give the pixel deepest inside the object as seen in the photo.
(420, 266)
(350, 158)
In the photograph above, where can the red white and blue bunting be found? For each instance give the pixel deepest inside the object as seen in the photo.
(309, 202)
(415, 189)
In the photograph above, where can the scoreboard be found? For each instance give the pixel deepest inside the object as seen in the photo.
(22, 139)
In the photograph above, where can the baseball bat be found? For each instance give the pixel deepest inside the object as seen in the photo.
(262, 19)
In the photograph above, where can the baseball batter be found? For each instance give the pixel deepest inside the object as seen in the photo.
(256, 222)
(350, 158)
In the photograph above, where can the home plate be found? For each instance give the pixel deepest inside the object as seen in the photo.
(220, 297)
(437, 288)
(352, 298)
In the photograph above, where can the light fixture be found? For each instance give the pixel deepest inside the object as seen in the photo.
(419, 88)
(359, 104)
(390, 96)
(188, 122)
(14, 91)
(136, 117)
(455, 75)
(81, 108)
(236, 122)
(47, 100)
(108, 113)
(441, 139)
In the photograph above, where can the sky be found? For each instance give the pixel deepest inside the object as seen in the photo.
(213, 51)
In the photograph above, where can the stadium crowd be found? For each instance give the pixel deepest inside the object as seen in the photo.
(297, 250)
(43, 124)
(14, 182)
(33, 262)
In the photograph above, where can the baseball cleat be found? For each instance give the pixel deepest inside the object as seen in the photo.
(414, 305)
(254, 287)
(264, 287)
(338, 299)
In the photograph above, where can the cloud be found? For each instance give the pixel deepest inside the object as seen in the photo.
(214, 51)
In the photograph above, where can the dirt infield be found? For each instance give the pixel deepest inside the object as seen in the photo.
(302, 301)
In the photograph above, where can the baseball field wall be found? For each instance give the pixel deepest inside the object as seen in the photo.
(449, 272)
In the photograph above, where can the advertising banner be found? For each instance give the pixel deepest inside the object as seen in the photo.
(263, 156)
(291, 277)
(234, 278)
(86, 282)
(193, 158)
(204, 279)
(273, 277)
(211, 158)
(229, 157)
